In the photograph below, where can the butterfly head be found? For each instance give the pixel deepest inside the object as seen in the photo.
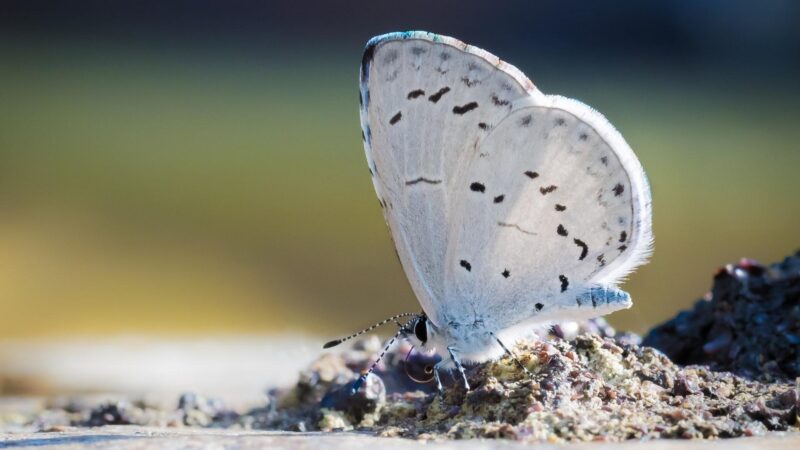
(421, 332)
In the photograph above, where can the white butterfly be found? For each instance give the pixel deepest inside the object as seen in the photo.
(508, 207)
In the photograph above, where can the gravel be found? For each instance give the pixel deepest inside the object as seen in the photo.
(748, 324)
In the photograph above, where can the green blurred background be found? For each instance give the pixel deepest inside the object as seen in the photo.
(196, 167)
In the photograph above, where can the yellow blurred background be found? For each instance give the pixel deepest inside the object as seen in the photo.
(198, 169)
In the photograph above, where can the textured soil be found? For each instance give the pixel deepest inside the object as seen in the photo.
(587, 389)
(588, 383)
(749, 323)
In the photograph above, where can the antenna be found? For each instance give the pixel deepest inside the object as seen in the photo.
(364, 375)
(394, 318)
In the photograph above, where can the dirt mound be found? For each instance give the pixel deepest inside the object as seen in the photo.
(748, 324)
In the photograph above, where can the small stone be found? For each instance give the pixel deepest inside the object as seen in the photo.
(111, 413)
(357, 405)
(684, 387)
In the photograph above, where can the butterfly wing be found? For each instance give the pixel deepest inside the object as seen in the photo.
(411, 83)
(463, 150)
(563, 209)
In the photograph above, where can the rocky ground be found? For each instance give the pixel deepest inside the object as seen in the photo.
(749, 323)
(589, 385)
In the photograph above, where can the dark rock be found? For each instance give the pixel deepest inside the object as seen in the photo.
(112, 413)
(684, 387)
(749, 323)
(367, 400)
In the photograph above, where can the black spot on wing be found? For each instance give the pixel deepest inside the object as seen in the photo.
(604, 160)
(564, 282)
(483, 126)
(560, 208)
(618, 190)
(468, 82)
(525, 121)
(465, 264)
(477, 187)
(622, 248)
(560, 122)
(438, 95)
(601, 259)
(506, 273)
(422, 180)
(584, 248)
(623, 236)
(538, 306)
(547, 189)
(395, 118)
(531, 174)
(418, 51)
(416, 93)
(497, 101)
(561, 230)
(583, 136)
(461, 110)
(499, 198)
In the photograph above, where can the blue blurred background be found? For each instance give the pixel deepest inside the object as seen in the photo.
(182, 167)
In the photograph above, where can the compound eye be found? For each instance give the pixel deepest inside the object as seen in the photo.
(421, 330)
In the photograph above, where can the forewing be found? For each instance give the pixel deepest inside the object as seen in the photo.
(427, 102)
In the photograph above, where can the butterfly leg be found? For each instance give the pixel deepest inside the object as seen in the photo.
(439, 388)
(508, 352)
(460, 368)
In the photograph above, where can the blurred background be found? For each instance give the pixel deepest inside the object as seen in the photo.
(194, 168)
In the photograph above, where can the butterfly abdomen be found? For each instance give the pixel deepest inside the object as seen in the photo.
(601, 297)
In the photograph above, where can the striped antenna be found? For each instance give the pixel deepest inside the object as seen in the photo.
(364, 375)
(336, 342)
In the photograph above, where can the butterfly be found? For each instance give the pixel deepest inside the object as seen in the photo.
(508, 208)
